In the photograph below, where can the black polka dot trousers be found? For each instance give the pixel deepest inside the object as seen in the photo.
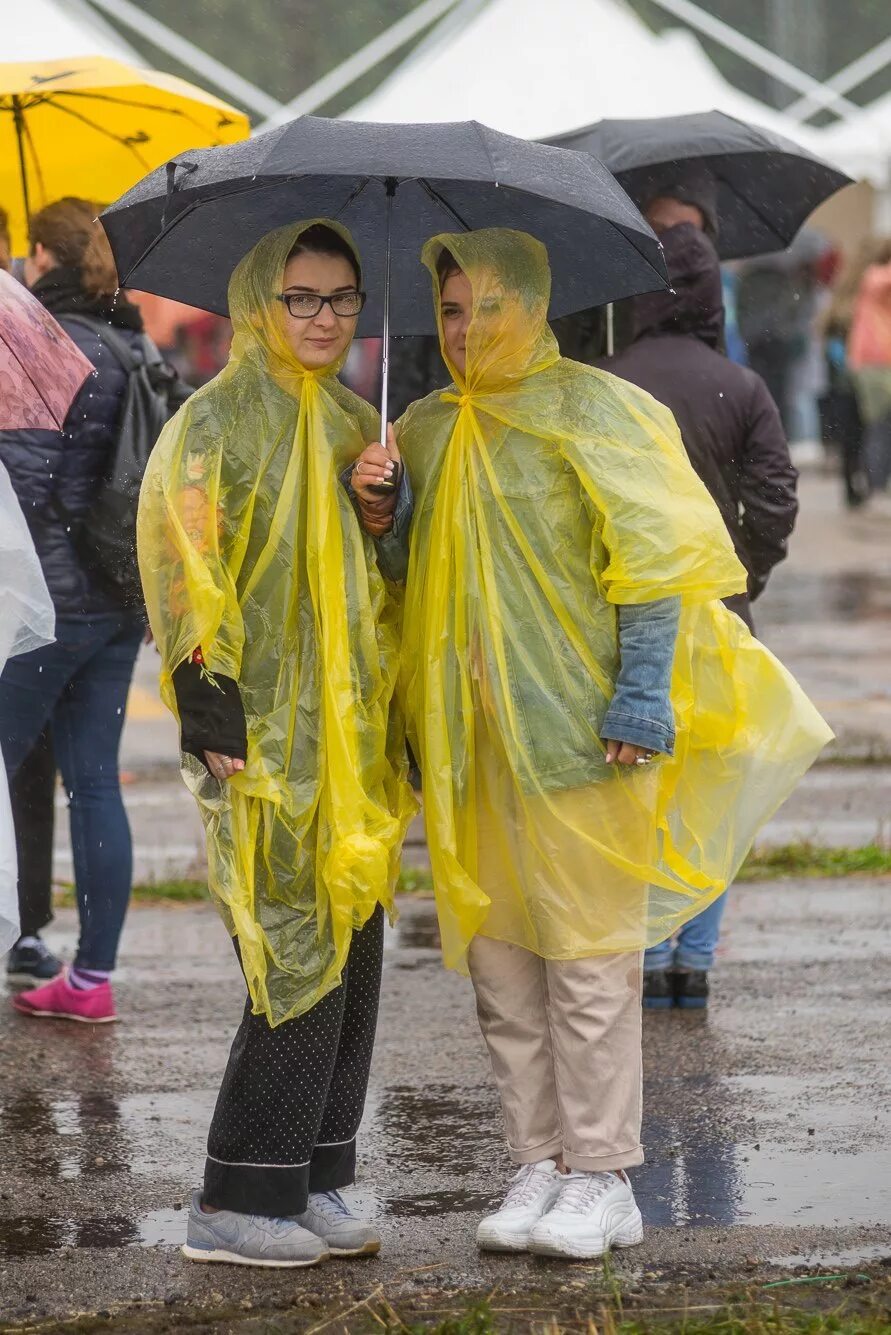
(292, 1097)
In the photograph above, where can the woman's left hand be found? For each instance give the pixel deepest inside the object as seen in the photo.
(626, 753)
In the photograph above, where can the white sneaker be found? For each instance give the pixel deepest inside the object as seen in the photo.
(593, 1212)
(533, 1190)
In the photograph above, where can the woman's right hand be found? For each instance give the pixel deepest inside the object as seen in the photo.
(376, 465)
(222, 767)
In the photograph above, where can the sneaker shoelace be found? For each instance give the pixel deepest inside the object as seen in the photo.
(579, 1191)
(331, 1205)
(526, 1187)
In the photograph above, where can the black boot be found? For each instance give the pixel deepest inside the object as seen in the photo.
(658, 993)
(691, 989)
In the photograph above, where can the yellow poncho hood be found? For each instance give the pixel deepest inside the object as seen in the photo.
(547, 492)
(250, 549)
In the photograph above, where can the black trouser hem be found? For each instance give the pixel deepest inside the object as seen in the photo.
(276, 1193)
(333, 1167)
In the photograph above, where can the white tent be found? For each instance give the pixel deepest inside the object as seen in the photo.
(863, 144)
(57, 29)
(534, 69)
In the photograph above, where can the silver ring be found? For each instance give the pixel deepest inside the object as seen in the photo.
(643, 760)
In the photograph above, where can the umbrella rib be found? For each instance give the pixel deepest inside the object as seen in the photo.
(125, 102)
(437, 197)
(100, 129)
(250, 186)
(754, 207)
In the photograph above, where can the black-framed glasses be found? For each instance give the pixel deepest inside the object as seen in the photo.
(305, 305)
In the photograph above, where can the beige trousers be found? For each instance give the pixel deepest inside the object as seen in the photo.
(564, 1038)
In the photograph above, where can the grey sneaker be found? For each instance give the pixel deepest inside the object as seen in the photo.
(330, 1218)
(249, 1239)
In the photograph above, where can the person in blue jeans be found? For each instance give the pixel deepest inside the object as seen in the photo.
(676, 971)
(78, 684)
(81, 682)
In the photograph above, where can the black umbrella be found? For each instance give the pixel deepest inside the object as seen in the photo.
(763, 186)
(181, 230)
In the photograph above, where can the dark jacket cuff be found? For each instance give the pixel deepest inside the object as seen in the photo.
(210, 711)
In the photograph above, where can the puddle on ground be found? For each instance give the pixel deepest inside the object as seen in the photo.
(30, 1235)
(417, 928)
(856, 595)
(841, 1258)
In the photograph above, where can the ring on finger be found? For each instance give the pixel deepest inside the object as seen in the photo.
(645, 759)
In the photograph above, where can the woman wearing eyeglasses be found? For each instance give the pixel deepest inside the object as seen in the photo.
(278, 658)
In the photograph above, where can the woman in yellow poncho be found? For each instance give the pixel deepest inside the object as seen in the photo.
(561, 630)
(278, 649)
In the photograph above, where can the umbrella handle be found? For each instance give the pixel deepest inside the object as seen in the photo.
(384, 488)
(610, 330)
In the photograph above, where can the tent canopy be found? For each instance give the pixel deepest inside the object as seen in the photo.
(57, 29)
(537, 70)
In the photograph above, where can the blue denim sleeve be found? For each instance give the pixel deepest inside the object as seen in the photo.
(391, 547)
(640, 711)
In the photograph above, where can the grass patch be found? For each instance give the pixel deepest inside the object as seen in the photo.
(807, 859)
(412, 881)
(802, 860)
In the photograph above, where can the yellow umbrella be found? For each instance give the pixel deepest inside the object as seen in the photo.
(92, 127)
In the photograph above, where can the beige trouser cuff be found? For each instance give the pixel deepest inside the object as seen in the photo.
(564, 1039)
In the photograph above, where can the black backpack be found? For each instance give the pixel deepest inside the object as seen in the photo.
(105, 536)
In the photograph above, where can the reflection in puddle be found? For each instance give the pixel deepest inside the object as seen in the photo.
(698, 1173)
(30, 1235)
(64, 1138)
(443, 1126)
(855, 595)
(437, 1203)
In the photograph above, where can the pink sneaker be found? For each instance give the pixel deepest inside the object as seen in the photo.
(61, 1001)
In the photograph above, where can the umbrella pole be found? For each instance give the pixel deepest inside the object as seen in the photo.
(385, 488)
(385, 364)
(610, 330)
(19, 118)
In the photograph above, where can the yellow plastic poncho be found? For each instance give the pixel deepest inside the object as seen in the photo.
(249, 548)
(546, 494)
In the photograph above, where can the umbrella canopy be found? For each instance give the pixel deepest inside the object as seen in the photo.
(41, 369)
(92, 126)
(181, 231)
(764, 185)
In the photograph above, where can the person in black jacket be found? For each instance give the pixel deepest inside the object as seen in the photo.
(79, 684)
(728, 421)
(732, 431)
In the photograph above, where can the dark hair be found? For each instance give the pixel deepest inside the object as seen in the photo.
(4, 226)
(322, 240)
(69, 229)
(446, 266)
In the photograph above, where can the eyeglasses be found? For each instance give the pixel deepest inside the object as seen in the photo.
(305, 305)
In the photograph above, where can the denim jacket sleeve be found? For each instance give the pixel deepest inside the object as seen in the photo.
(640, 711)
(391, 547)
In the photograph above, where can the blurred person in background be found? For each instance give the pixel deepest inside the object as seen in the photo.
(80, 683)
(869, 358)
(32, 794)
(775, 305)
(841, 423)
(732, 432)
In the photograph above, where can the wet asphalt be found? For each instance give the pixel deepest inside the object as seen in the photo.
(766, 1123)
(766, 1119)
